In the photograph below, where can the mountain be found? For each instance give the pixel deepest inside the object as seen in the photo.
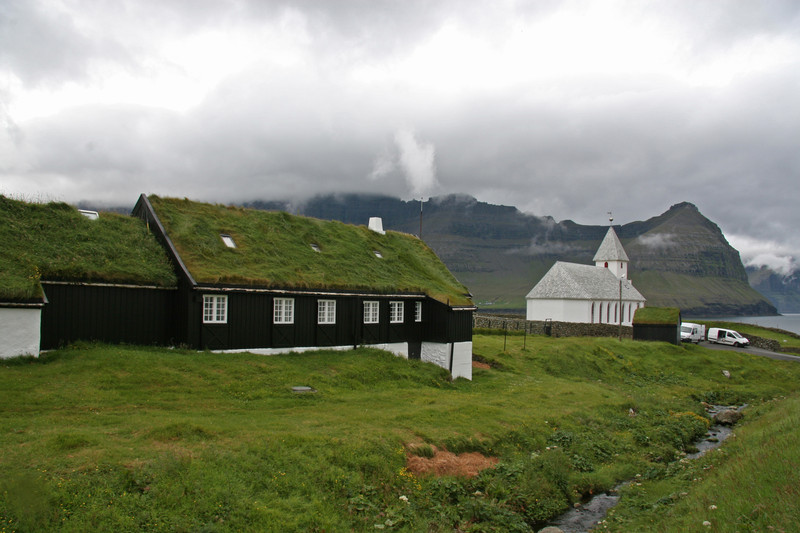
(783, 290)
(679, 258)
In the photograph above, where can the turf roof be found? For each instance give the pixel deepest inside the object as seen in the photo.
(657, 315)
(54, 242)
(274, 250)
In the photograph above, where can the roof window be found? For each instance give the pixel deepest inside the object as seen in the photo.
(378, 254)
(91, 215)
(315, 247)
(228, 240)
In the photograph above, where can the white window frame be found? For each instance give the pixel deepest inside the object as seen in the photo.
(283, 311)
(215, 309)
(372, 312)
(417, 311)
(396, 312)
(326, 311)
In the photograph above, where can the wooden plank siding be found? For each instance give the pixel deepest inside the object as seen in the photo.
(250, 322)
(107, 313)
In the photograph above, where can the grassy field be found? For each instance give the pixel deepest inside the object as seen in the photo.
(115, 438)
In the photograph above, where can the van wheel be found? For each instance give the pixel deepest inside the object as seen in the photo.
(737, 345)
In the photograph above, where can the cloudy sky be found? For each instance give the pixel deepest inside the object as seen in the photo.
(562, 108)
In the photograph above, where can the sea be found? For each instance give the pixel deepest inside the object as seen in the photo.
(788, 322)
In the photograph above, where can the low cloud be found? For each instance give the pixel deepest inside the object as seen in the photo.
(415, 160)
(657, 240)
(547, 248)
(759, 253)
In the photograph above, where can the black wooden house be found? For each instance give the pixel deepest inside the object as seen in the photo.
(224, 278)
(270, 282)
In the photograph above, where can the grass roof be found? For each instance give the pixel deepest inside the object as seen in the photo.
(657, 315)
(55, 242)
(274, 250)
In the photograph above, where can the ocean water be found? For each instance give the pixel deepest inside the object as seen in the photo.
(789, 322)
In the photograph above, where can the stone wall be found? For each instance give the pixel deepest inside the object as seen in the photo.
(764, 344)
(556, 329)
(576, 329)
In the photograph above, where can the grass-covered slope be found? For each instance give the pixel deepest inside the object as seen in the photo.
(129, 439)
(55, 242)
(274, 249)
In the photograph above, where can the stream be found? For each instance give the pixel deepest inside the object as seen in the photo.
(585, 516)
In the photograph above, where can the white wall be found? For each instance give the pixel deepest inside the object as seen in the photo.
(432, 352)
(439, 354)
(20, 331)
(579, 310)
(559, 310)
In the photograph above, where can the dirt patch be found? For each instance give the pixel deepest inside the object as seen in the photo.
(478, 364)
(444, 463)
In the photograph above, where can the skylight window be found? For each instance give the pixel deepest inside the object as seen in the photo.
(228, 240)
(315, 247)
(378, 254)
(91, 215)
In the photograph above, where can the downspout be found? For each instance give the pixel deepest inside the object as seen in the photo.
(452, 352)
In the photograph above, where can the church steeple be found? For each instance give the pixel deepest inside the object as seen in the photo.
(612, 255)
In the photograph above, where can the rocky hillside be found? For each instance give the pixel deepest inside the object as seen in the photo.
(679, 258)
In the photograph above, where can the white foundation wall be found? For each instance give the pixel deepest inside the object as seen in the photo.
(439, 354)
(432, 352)
(20, 331)
(400, 349)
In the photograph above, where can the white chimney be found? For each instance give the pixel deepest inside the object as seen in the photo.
(376, 224)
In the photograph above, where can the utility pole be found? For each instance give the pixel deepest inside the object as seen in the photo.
(420, 218)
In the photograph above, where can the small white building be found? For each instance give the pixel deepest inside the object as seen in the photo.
(20, 329)
(599, 294)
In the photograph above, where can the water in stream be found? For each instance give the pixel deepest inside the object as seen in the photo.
(583, 518)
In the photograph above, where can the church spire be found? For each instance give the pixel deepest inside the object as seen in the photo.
(612, 255)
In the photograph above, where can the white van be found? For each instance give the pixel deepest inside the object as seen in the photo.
(727, 336)
(691, 332)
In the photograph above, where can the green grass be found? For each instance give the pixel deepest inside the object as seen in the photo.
(751, 484)
(120, 438)
(274, 250)
(657, 315)
(55, 242)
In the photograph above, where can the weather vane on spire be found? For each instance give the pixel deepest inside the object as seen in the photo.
(610, 219)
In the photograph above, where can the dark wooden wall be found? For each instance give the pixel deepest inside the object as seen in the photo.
(107, 313)
(250, 323)
(657, 332)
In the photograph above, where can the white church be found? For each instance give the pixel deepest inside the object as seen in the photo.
(599, 294)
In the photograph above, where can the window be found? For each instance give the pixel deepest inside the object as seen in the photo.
(283, 310)
(370, 312)
(228, 240)
(417, 311)
(395, 312)
(326, 311)
(215, 309)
